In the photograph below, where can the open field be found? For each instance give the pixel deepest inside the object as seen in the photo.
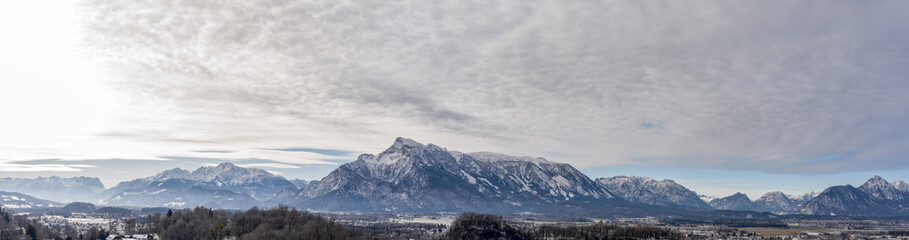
(773, 232)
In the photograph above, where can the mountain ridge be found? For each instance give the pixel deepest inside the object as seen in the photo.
(876, 197)
(225, 185)
(54, 188)
(649, 191)
(410, 176)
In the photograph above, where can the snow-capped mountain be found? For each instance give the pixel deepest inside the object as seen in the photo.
(258, 183)
(139, 183)
(775, 202)
(876, 197)
(413, 177)
(225, 185)
(648, 191)
(803, 198)
(738, 202)
(880, 189)
(19, 200)
(55, 188)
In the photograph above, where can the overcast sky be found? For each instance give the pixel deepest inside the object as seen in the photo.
(721, 96)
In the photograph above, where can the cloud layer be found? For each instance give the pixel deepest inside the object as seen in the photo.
(776, 86)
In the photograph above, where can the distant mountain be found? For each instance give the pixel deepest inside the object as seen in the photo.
(258, 183)
(55, 188)
(737, 202)
(648, 191)
(19, 200)
(775, 202)
(181, 193)
(300, 183)
(803, 198)
(876, 197)
(412, 177)
(222, 186)
(900, 185)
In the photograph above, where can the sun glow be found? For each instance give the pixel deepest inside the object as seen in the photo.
(50, 94)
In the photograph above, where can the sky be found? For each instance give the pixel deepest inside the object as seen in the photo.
(723, 97)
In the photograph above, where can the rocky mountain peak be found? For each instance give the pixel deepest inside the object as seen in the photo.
(774, 196)
(876, 182)
(172, 173)
(739, 195)
(879, 188)
(401, 142)
(227, 171)
(227, 166)
(738, 201)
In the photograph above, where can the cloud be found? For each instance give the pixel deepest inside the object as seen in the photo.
(329, 152)
(257, 165)
(706, 84)
(40, 168)
(290, 157)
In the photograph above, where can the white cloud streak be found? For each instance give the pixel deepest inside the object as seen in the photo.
(41, 168)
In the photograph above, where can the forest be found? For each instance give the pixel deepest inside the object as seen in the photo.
(275, 223)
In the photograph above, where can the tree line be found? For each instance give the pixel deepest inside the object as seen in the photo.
(484, 226)
(276, 223)
(289, 223)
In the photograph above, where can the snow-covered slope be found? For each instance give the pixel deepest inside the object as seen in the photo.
(19, 200)
(804, 197)
(55, 188)
(649, 191)
(410, 176)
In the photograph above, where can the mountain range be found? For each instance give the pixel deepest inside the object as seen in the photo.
(55, 188)
(18, 200)
(649, 191)
(775, 202)
(412, 177)
(876, 197)
(223, 186)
